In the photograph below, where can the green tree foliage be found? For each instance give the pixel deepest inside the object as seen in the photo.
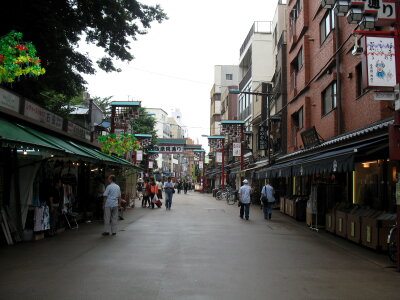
(104, 104)
(56, 28)
(145, 125)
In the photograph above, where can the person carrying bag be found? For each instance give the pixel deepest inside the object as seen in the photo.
(267, 199)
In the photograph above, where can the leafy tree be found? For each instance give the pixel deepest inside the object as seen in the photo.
(56, 28)
(104, 104)
(145, 124)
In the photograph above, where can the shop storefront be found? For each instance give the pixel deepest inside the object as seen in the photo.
(51, 181)
(345, 186)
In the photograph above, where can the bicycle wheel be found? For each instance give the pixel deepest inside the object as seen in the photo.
(392, 246)
(218, 195)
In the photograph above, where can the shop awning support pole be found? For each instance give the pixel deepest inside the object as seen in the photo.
(17, 195)
(397, 116)
(223, 165)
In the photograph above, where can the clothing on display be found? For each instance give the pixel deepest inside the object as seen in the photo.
(42, 218)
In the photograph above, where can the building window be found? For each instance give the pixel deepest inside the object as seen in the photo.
(327, 25)
(298, 119)
(295, 13)
(229, 76)
(359, 89)
(297, 63)
(329, 99)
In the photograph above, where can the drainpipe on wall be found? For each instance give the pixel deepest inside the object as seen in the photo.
(338, 81)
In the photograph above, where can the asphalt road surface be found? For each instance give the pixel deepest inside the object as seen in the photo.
(200, 249)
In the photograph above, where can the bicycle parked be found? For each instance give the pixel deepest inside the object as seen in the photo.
(392, 245)
(228, 193)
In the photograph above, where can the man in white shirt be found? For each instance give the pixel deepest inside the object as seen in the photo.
(244, 194)
(112, 201)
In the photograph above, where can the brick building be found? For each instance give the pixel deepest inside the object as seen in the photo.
(337, 158)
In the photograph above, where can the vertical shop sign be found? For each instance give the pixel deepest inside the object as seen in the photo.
(218, 157)
(150, 164)
(9, 100)
(262, 137)
(237, 149)
(379, 62)
(200, 165)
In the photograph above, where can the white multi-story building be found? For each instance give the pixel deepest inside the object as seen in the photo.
(225, 77)
(256, 66)
(163, 131)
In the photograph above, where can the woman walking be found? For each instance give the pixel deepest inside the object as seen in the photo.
(169, 191)
(146, 196)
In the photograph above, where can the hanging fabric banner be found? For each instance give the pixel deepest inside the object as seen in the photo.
(139, 155)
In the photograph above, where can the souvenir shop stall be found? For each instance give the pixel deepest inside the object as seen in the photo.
(49, 183)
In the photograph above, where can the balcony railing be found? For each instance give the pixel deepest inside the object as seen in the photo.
(245, 79)
(258, 27)
(245, 113)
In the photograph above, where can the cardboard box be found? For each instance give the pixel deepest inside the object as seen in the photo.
(370, 231)
(289, 210)
(282, 205)
(330, 224)
(341, 223)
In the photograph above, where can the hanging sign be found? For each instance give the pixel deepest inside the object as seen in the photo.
(262, 137)
(42, 115)
(139, 155)
(151, 164)
(200, 165)
(379, 62)
(237, 149)
(78, 131)
(9, 100)
(218, 157)
(170, 149)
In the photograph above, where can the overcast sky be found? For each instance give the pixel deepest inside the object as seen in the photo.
(174, 62)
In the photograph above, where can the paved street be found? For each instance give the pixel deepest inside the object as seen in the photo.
(198, 250)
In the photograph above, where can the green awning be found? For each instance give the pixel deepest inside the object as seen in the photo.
(12, 135)
(67, 147)
(102, 156)
(20, 136)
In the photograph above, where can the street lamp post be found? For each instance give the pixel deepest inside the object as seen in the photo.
(217, 142)
(201, 154)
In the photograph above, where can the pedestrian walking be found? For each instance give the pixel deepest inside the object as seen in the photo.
(160, 189)
(146, 195)
(185, 187)
(169, 191)
(112, 201)
(179, 187)
(267, 199)
(244, 194)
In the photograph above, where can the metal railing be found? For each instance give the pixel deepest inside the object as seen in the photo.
(257, 27)
(246, 78)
